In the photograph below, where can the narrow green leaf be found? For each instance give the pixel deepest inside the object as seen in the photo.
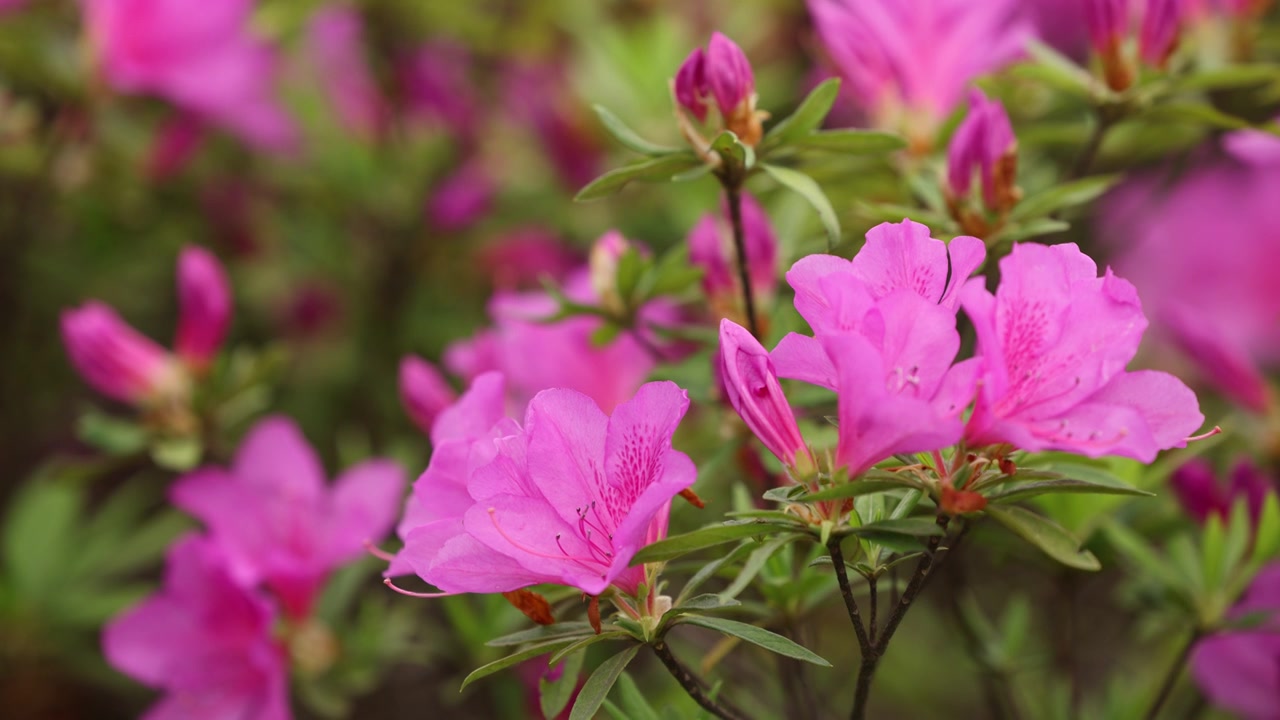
(1038, 227)
(770, 641)
(1062, 196)
(628, 137)
(889, 212)
(1197, 113)
(178, 454)
(710, 536)
(553, 696)
(1011, 492)
(559, 631)
(754, 563)
(732, 151)
(807, 118)
(712, 568)
(1230, 76)
(854, 488)
(851, 142)
(1266, 542)
(808, 188)
(1139, 553)
(913, 526)
(660, 169)
(702, 603)
(601, 681)
(506, 662)
(634, 704)
(585, 643)
(112, 435)
(1050, 537)
(784, 494)
(1055, 70)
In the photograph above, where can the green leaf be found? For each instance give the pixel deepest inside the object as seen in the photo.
(913, 526)
(710, 536)
(605, 334)
(112, 435)
(634, 704)
(631, 267)
(1138, 552)
(1266, 542)
(542, 633)
(1197, 114)
(889, 212)
(852, 142)
(629, 139)
(1055, 70)
(770, 641)
(712, 568)
(1230, 76)
(601, 681)
(1050, 537)
(672, 274)
(1011, 492)
(553, 696)
(660, 169)
(39, 533)
(518, 657)
(706, 601)
(1030, 229)
(854, 488)
(1062, 196)
(587, 642)
(807, 188)
(732, 151)
(754, 563)
(807, 118)
(784, 493)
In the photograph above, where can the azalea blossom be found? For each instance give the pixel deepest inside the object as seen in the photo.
(751, 386)
(909, 64)
(720, 77)
(204, 306)
(568, 498)
(1055, 339)
(1202, 494)
(885, 339)
(279, 522)
(537, 96)
(1236, 669)
(423, 391)
(984, 145)
(205, 640)
(335, 44)
(711, 247)
(208, 63)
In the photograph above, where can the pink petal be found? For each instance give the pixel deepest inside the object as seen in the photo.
(365, 500)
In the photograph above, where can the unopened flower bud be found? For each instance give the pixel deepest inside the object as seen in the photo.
(115, 359)
(423, 391)
(1158, 36)
(752, 388)
(603, 264)
(983, 145)
(204, 307)
(1107, 21)
(711, 247)
(721, 76)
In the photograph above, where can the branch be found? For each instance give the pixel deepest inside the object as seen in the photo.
(846, 591)
(1171, 676)
(692, 685)
(733, 193)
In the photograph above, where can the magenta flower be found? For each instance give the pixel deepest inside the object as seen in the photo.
(11, 5)
(568, 499)
(204, 307)
(207, 63)
(1055, 340)
(884, 340)
(1240, 670)
(205, 639)
(438, 88)
(115, 359)
(539, 97)
(525, 256)
(174, 145)
(908, 64)
(335, 44)
(1200, 493)
(1217, 301)
(1158, 35)
(751, 386)
(720, 77)
(463, 198)
(1255, 147)
(711, 248)
(984, 145)
(423, 391)
(279, 522)
(1108, 23)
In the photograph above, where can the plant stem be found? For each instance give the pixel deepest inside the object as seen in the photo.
(691, 684)
(733, 193)
(1084, 161)
(846, 592)
(871, 612)
(1171, 676)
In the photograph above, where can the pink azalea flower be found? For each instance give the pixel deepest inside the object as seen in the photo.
(1239, 670)
(205, 639)
(277, 519)
(711, 248)
(438, 88)
(335, 43)
(524, 256)
(1217, 301)
(204, 306)
(567, 499)
(207, 63)
(538, 96)
(1055, 340)
(983, 145)
(721, 75)
(750, 384)
(423, 391)
(1201, 495)
(175, 144)
(908, 64)
(884, 340)
(463, 198)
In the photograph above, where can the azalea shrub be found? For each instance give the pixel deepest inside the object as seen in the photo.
(640, 360)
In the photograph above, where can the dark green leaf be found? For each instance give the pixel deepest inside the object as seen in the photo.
(1197, 113)
(854, 488)
(553, 696)
(784, 493)
(585, 643)
(1055, 70)
(634, 704)
(807, 118)
(807, 188)
(1050, 537)
(674, 547)
(758, 636)
(712, 568)
(1230, 76)
(852, 142)
(752, 566)
(1011, 492)
(518, 657)
(627, 136)
(659, 169)
(1062, 196)
(542, 633)
(707, 601)
(598, 685)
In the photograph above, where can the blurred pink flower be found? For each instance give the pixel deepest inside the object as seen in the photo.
(1239, 670)
(909, 64)
(207, 62)
(115, 359)
(437, 86)
(279, 522)
(335, 44)
(1202, 253)
(175, 144)
(1054, 341)
(204, 307)
(538, 96)
(12, 5)
(567, 499)
(423, 391)
(523, 257)
(1201, 494)
(463, 198)
(983, 145)
(205, 639)
(711, 248)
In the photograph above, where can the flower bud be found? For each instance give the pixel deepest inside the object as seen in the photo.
(423, 391)
(1201, 495)
(204, 307)
(711, 248)
(752, 388)
(115, 359)
(603, 265)
(335, 37)
(984, 144)
(721, 75)
(462, 198)
(1107, 21)
(1158, 35)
